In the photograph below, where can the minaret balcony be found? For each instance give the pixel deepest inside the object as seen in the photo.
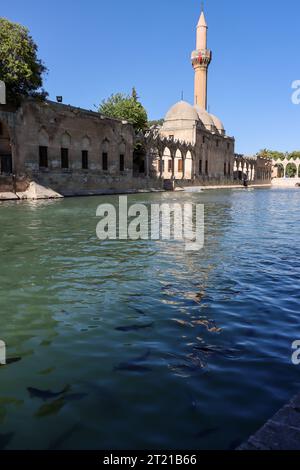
(201, 57)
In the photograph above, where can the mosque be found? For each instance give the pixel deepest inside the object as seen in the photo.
(213, 149)
(73, 151)
(192, 147)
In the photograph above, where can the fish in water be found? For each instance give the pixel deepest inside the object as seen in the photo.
(55, 406)
(210, 350)
(206, 432)
(47, 394)
(5, 439)
(135, 364)
(50, 408)
(134, 327)
(139, 311)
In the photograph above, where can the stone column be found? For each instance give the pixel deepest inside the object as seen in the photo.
(173, 165)
(183, 166)
(193, 168)
(160, 165)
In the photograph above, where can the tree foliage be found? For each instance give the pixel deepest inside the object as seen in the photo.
(275, 155)
(291, 170)
(294, 155)
(20, 68)
(266, 153)
(126, 107)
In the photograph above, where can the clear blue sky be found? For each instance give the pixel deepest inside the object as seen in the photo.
(95, 47)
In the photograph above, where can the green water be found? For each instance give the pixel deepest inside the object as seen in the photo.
(150, 345)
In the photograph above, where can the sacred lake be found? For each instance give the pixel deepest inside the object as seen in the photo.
(140, 344)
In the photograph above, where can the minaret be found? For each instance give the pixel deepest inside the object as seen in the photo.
(201, 59)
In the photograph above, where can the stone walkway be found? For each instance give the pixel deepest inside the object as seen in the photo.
(282, 432)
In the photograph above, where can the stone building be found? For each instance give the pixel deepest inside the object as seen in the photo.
(71, 150)
(212, 159)
(213, 150)
(79, 152)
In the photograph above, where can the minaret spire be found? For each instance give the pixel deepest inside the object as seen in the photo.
(201, 59)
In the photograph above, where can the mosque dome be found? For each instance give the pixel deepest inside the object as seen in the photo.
(182, 111)
(218, 124)
(205, 118)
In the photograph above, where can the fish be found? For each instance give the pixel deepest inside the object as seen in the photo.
(139, 311)
(50, 408)
(46, 394)
(57, 443)
(56, 405)
(134, 327)
(206, 432)
(135, 364)
(143, 357)
(5, 439)
(209, 350)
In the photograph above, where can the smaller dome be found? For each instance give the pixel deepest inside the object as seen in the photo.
(182, 111)
(218, 123)
(205, 118)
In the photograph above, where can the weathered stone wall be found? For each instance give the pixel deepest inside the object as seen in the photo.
(79, 183)
(215, 149)
(57, 126)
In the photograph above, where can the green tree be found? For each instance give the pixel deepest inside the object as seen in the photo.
(291, 170)
(294, 155)
(126, 107)
(266, 153)
(20, 68)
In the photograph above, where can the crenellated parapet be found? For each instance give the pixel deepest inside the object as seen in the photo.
(152, 139)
